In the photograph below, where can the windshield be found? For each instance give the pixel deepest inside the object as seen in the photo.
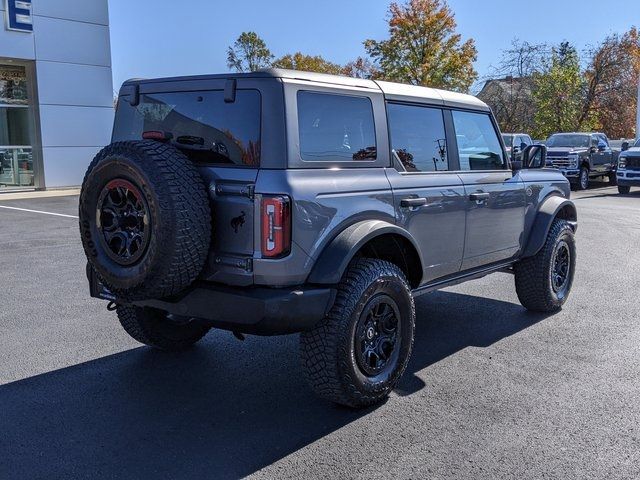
(568, 140)
(637, 144)
(508, 140)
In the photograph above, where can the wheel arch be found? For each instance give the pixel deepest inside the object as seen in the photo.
(551, 208)
(373, 239)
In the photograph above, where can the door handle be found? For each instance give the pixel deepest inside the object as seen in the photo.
(475, 197)
(413, 202)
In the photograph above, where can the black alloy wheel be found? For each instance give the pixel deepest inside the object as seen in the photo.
(561, 268)
(376, 336)
(123, 220)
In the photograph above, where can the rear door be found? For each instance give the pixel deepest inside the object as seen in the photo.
(494, 197)
(222, 137)
(429, 199)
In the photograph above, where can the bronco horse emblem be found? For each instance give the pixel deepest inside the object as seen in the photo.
(238, 221)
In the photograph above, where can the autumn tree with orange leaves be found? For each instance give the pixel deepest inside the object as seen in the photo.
(423, 47)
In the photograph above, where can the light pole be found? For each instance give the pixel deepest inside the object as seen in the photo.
(638, 114)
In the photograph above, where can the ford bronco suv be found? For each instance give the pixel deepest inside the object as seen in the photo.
(281, 202)
(582, 156)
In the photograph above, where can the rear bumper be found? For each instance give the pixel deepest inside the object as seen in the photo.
(256, 310)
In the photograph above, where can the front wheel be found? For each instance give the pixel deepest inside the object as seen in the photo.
(583, 181)
(624, 189)
(357, 354)
(543, 282)
(158, 329)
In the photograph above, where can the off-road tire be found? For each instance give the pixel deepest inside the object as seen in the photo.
(328, 352)
(179, 219)
(533, 274)
(152, 327)
(623, 190)
(583, 179)
(613, 179)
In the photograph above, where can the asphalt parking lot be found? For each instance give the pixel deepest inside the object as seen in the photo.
(492, 391)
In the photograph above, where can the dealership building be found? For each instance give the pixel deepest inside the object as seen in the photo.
(56, 90)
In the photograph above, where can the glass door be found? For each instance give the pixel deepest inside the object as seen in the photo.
(16, 152)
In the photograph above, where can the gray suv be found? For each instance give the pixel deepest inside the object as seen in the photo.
(281, 202)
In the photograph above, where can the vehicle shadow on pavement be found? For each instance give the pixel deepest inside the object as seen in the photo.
(224, 409)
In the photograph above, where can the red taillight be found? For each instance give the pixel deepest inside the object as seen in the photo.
(156, 135)
(276, 226)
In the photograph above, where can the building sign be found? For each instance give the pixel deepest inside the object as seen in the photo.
(19, 15)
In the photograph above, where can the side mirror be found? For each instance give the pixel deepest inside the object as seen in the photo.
(534, 156)
(523, 146)
(625, 146)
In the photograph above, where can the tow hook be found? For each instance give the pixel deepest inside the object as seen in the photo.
(111, 306)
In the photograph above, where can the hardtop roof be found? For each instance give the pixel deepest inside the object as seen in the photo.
(391, 90)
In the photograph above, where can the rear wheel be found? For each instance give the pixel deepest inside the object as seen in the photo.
(613, 179)
(357, 354)
(623, 189)
(543, 282)
(160, 330)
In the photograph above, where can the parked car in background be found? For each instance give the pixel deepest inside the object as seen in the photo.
(582, 156)
(628, 171)
(515, 144)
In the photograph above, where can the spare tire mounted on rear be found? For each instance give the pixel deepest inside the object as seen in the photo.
(145, 219)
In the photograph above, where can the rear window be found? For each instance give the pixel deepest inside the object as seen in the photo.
(200, 124)
(335, 127)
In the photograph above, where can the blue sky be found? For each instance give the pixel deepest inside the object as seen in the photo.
(151, 38)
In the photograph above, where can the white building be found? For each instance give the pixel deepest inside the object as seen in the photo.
(56, 92)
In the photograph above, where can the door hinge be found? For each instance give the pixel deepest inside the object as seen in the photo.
(241, 190)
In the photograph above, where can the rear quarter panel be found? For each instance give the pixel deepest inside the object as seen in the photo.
(325, 202)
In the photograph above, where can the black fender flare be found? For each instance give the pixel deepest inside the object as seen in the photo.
(547, 213)
(334, 259)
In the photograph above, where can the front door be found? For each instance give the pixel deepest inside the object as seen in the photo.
(429, 200)
(495, 197)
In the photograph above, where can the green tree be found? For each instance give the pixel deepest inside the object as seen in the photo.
(249, 53)
(557, 93)
(309, 63)
(423, 47)
(360, 68)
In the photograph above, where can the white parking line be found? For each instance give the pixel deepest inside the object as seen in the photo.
(38, 211)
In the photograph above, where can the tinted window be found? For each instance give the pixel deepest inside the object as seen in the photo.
(478, 144)
(418, 138)
(508, 140)
(199, 123)
(335, 127)
(568, 140)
